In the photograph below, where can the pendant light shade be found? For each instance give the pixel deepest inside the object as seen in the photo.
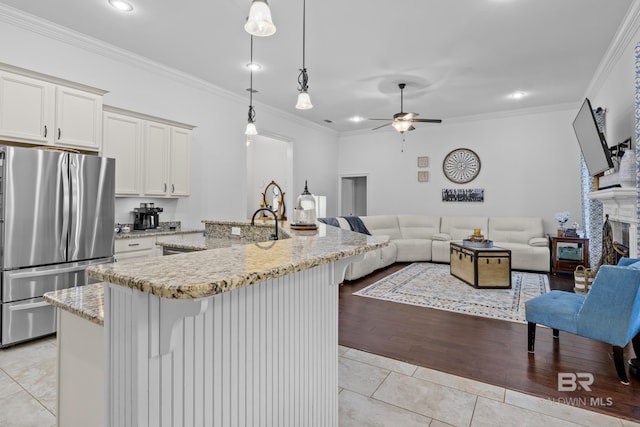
(259, 22)
(251, 129)
(304, 101)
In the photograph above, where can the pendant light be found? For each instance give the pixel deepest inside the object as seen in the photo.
(304, 101)
(251, 117)
(259, 22)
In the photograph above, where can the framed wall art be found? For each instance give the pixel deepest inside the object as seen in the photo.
(423, 176)
(463, 195)
(423, 161)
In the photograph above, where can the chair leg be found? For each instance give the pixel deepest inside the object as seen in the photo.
(556, 333)
(531, 340)
(618, 360)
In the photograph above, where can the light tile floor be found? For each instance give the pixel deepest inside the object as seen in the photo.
(374, 391)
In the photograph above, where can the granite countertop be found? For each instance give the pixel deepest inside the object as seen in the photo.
(84, 301)
(209, 272)
(145, 233)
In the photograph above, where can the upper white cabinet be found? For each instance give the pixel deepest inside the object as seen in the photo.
(25, 109)
(156, 154)
(44, 110)
(123, 142)
(78, 119)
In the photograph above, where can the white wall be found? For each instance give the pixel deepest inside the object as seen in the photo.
(529, 166)
(218, 163)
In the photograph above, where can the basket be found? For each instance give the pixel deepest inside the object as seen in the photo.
(583, 278)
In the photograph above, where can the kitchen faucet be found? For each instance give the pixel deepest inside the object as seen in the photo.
(275, 217)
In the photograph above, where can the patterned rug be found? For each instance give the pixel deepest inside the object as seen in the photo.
(431, 285)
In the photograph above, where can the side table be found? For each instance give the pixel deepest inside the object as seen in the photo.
(566, 260)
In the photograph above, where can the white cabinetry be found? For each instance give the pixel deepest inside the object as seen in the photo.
(135, 248)
(123, 142)
(163, 160)
(43, 110)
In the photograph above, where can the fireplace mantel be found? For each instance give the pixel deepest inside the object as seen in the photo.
(621, 206)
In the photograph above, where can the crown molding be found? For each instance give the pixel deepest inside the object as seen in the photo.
(625, 35)
(76, 39)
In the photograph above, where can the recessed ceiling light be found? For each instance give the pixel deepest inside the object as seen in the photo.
(254, 66)
(356, 119)
(518, 95)
(121, 5)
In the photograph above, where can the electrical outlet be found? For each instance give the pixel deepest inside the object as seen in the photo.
(235, 231)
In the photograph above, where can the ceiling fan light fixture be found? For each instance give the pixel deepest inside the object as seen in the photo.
(260, 23)
(401, 125)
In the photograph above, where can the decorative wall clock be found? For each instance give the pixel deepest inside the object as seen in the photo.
(461, 165)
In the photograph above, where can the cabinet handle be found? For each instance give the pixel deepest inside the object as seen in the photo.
(134, 244)
(173, 188)
(165, 187)
(45, 131)
(59, 134)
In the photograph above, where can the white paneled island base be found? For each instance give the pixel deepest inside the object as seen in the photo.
(265, 354)
(240, 335)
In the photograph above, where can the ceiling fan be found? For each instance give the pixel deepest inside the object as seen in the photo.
(403, 122)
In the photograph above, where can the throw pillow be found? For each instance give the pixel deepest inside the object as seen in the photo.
(635, 265)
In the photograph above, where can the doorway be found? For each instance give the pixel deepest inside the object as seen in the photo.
(353, 195)
(268, 159)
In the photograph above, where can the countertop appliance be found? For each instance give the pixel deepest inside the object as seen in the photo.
(57, 211)
(146, 217)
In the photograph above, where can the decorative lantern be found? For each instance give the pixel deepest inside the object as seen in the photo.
(304, 214)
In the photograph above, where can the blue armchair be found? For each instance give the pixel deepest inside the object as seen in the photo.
(610, 312)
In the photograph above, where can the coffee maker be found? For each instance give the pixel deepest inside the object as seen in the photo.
(146, 217)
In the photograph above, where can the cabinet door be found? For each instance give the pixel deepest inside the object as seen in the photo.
(78, 119)
(25, 109)
(123, 142)
(156, 149)
(180, 162)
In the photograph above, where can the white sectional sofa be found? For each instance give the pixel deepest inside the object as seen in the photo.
(427, 238)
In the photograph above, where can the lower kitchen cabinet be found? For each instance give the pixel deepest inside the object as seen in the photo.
(135, 248)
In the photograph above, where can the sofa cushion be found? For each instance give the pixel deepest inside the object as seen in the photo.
(540, 242)
(461, 227)
(418, 226)
(515, 229)
(383, 224)
(442, 237)
(410, 250)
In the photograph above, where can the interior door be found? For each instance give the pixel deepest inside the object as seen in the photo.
(92, 187)
(32, 207)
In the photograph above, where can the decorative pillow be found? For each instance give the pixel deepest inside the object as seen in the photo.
(539, 242)
(444, 237)
(635, 265)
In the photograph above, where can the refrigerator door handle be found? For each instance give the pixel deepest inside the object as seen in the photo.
(65, 205)
(28, 306)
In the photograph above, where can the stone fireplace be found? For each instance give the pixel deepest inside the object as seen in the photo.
(621, 206)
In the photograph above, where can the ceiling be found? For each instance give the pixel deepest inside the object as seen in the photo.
(459, 58)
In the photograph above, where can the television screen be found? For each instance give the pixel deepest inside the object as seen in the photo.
(592, 143)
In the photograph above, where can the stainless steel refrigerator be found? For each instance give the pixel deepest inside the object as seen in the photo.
(57, 214)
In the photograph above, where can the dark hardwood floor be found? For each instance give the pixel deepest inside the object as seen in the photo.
(487, 350)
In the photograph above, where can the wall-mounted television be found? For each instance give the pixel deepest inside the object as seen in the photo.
(592, 142)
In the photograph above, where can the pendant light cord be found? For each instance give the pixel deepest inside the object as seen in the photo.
(304, 31)
(252, 113)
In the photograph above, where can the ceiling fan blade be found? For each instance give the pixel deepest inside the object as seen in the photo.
(386, 124)
(426, 120)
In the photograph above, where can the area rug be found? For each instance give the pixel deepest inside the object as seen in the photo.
(432, 285)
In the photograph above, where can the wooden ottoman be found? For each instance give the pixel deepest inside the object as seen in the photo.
(481, 267)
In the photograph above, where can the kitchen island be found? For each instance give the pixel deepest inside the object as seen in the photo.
(240, 335)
